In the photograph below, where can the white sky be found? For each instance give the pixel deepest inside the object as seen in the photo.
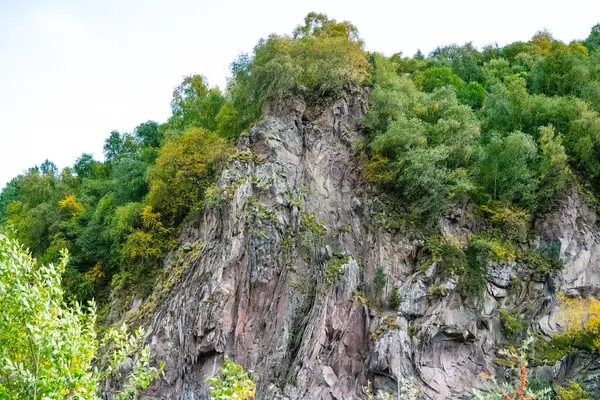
(72, 71)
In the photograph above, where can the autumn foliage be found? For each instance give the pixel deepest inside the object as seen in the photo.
(521, 390)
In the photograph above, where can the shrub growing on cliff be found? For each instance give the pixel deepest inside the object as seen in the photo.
(232, 383)
(47, 349)
(451, 258)
(516, 359)
(379, 281)
(572, 391)
(335, 269)
(480, 251)
(395, 299)
(511, 323)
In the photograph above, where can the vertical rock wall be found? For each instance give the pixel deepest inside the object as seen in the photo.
(275, 278)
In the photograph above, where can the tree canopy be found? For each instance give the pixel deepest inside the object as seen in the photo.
(507, 128)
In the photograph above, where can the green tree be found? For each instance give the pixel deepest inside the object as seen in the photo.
(421, 144)
(394, 299)
(505, 108)
(466, 61)
(473, 94)
(323, 56)
(129, 179)
(564, 71)
(86, 167)
(438, 77)
(149, 134)
(496, 71)
(593, 40)
(553, 168)
(47, 349)
(113, 145)
(9, 194)
(506, 169)
(48, 168)
(194, 104)
(185, 167)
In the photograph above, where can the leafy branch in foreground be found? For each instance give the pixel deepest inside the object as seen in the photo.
(47, 348)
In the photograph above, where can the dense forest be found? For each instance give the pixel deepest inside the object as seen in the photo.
(509, 129)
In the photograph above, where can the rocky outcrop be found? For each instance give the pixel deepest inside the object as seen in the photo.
(281, 267)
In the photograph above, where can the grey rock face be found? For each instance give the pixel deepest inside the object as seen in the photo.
(264, 289)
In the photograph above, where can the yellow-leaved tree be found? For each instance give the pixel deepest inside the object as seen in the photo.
(185, 167)
(581, 317)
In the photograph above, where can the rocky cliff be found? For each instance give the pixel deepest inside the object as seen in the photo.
(274, 274)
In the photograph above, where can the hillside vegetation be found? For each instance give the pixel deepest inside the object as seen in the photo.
(507, 129)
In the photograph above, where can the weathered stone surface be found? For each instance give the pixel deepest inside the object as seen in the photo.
(500, 274)
(257, 289)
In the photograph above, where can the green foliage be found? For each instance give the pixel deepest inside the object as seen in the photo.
(465, 61)
(545, 260)
(511, 323)
(141, 253)
(549, 352)
(480, 251)
(472, 94)
(516, 360)
(506, 169)
(47, 349)
(335, 269)
(593, 40)
(195, 105)
(232, 383)
(379, 281)
(323, 55)
(386, 325)
(8, 195)
(90, 209)
(563, 71)
(186, 165)
(493, 248)
(572, 392)
(312, 230)
(511, 223)
(438, 77)
(436, 291)
(394, 299)
(451, 258)
(214, 197)
(554, 170)
(421, 144)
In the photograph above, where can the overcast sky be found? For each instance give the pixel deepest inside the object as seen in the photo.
(72, 71)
